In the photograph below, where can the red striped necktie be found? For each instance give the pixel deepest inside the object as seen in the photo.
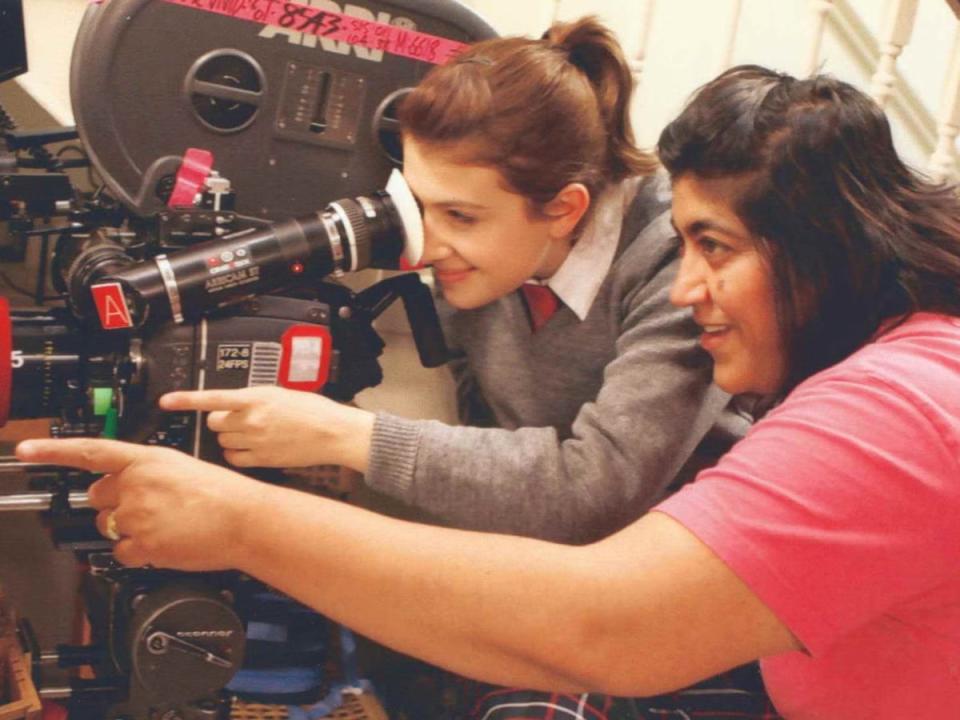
(542, 303)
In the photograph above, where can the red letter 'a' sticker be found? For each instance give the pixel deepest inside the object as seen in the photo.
(111, 306)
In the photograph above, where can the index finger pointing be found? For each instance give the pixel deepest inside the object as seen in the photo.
(204, 400)
(94, 455)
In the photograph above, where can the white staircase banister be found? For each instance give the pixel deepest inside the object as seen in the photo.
(943, 162)
(733, 26)
(640, 55)
(819, 10)
(894, 36)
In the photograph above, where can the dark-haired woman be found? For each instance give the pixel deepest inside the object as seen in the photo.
(827, 542)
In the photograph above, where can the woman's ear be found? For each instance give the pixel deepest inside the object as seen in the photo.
(567, 209)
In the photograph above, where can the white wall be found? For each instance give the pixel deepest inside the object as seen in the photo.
(51, 26)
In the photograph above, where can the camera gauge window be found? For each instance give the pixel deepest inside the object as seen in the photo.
(320, 106)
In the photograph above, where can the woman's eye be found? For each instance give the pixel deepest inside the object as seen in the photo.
(710, 247)
(459, 217)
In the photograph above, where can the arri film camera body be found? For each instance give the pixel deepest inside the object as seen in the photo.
(244, 158)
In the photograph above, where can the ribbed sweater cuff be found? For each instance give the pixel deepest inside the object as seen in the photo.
(393, 455)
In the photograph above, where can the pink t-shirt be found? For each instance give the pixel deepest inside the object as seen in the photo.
(841, 511)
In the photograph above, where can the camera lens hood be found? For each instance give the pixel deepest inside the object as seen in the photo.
(410, 217)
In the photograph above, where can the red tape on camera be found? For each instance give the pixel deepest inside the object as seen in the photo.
(334, 26)
(6, 360)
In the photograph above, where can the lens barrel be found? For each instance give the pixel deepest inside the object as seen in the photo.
(348, 235)
(46, 363)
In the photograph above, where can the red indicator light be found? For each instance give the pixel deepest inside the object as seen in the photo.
(213, 261)
(296, 268)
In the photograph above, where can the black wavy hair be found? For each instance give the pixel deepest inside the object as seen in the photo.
(853, 236)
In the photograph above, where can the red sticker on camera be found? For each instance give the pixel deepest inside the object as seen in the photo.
(305, 361)
(111, 306)
(6, 366)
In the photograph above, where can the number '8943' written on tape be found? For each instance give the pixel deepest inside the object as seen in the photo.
(334, 26)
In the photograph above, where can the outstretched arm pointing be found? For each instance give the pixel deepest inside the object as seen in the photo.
(647, 610)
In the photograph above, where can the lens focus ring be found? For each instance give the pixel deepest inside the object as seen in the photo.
(359, 231)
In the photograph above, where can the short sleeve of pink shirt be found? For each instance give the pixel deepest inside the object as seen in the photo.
(841, 511)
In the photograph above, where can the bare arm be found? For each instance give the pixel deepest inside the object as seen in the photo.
(644, 611)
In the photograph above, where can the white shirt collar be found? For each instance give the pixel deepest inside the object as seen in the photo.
(579, 278)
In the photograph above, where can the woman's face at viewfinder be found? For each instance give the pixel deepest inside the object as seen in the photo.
(482, 240)
(727, 283)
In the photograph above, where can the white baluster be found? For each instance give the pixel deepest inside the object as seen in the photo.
(646, 21)
(894, 36)
(556, 9)
(819, 9)
(733, 25)
(943, 162)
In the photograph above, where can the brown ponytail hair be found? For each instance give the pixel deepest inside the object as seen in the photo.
(544, 112)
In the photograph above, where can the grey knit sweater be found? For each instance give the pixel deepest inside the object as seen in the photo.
(573, 432)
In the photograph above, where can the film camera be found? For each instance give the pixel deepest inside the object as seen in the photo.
(201, 260)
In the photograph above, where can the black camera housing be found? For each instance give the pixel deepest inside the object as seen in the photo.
(293, 121)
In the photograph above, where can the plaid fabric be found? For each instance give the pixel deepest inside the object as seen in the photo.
(734, 695)
(505, 704)
(427, 693)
